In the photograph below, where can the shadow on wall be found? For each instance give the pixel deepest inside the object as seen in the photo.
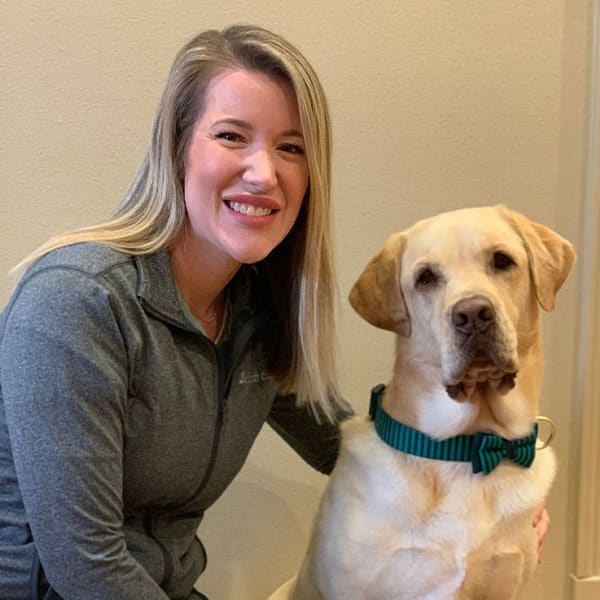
(252, 550)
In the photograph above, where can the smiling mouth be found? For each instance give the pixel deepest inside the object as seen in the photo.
(249, 209)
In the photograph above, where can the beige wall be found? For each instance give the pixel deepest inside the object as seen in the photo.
(435, 105)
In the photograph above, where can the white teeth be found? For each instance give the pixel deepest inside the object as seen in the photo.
(248, 209)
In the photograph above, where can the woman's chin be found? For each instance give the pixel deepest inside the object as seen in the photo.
(252, 254)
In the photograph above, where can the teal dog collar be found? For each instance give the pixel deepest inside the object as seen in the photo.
(483, 450)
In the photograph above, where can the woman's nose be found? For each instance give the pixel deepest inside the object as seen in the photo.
(260, 171)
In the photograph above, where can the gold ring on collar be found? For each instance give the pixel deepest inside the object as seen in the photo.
(550, 423)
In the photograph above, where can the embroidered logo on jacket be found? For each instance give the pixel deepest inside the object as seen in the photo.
(247, 378)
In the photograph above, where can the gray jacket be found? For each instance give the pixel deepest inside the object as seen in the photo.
(120, 424)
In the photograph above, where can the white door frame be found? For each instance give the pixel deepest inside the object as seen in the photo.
(585, 581)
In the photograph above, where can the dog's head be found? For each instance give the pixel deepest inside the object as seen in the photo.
(464, 288)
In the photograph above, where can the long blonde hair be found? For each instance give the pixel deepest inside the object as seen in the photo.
(152, 213)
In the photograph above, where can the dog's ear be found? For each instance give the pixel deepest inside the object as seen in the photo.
(377, 296)
(550, 256)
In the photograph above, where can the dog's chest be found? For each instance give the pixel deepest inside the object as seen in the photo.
(389, 518)
(418, 505)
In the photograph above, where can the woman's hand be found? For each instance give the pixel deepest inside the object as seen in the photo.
(541, 522)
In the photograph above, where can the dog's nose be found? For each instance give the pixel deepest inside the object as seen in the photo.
(474, 314)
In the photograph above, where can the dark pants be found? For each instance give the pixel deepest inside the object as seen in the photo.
(50, 594)
(45, 591)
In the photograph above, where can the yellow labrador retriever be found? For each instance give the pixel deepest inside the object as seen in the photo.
(434, 495)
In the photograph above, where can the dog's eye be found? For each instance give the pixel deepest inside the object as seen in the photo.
(427, 278)
(502, 261)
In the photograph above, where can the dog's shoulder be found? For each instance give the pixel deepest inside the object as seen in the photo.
(373, 475)
(363, 448)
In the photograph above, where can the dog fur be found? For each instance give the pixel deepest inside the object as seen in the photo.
(392, 526)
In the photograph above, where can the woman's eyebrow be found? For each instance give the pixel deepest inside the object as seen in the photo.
(245, 125)
(292, 133)
(233, 121)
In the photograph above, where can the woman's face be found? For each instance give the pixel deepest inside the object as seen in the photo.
(246, 171)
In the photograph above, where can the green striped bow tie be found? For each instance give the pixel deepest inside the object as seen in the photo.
(483, 450)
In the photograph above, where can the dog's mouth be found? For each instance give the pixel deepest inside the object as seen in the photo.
(480, 368)
(480, 350)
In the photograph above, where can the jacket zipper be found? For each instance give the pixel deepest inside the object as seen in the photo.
(221, 392)
(224, 377)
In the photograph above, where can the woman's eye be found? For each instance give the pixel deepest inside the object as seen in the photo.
(229, 136)
(292, 148)
(502, 261)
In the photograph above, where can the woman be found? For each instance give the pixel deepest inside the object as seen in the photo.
(140, 358)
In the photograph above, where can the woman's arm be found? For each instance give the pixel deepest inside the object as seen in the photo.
(541, 523)
(64, 385)
(317, 442)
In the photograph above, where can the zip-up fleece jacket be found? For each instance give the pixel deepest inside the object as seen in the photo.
(120, 424)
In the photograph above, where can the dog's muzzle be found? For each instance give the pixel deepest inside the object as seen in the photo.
(480, 351)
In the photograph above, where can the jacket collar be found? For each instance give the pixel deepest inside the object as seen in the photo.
(156, 287)
(157, 291)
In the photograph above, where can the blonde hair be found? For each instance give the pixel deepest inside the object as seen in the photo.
(152, 213)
